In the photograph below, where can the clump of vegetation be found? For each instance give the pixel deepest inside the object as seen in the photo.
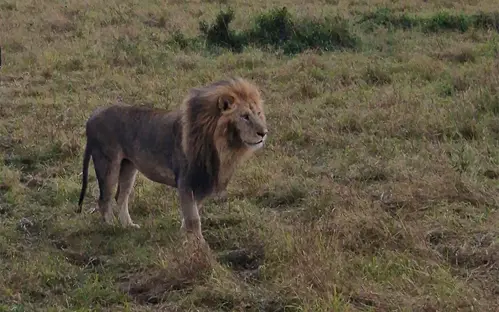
(385, 17)
(272, 28)
(278, 29)
(219, 34)
(484, 20)
(446, 21)
(440, 21)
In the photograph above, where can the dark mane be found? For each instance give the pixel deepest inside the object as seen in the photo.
(200, 120)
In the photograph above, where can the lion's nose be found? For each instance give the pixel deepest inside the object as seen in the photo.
(262, 133)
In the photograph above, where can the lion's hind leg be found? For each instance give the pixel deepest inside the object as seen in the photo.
(107, 172)
(128, 173)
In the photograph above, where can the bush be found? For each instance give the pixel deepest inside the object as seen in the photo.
(219, 34)
(277, 29)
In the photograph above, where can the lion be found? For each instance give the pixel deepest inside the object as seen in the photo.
(194, 148)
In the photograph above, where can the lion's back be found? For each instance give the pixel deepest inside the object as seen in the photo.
(136, 131)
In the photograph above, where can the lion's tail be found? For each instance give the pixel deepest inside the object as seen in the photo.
(86, 161)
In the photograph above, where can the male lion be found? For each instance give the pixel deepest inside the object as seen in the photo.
(194, 148)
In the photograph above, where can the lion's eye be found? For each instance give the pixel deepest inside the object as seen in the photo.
(245, 117)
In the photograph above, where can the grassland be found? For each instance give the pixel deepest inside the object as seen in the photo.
(377, 190)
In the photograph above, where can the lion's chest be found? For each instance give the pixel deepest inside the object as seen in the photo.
(228, 165)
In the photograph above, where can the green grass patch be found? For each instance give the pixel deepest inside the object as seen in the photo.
(440, 21)
(278, 29)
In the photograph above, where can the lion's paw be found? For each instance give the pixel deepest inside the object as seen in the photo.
(108, 219)
(130, 225)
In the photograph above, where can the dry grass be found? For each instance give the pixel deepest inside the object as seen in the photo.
(377, 190)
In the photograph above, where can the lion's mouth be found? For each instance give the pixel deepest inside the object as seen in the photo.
(253, 143)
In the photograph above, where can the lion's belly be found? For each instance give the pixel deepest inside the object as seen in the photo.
(157, 174)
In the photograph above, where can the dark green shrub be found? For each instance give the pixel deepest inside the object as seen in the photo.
(446, 21)
(272, 28)
(278, 29)
(385, 17)
(219, 34)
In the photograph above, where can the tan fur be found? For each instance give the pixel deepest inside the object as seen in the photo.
(194, 148)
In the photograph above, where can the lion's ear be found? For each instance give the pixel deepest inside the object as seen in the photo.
(225, 102)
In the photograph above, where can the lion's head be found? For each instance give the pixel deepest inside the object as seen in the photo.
(242, 118)
(222, 123)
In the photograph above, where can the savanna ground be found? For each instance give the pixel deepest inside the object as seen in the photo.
(376, 191)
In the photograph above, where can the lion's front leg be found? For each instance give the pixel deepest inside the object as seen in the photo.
(191, 222)
(220, 197)
(199, 206)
